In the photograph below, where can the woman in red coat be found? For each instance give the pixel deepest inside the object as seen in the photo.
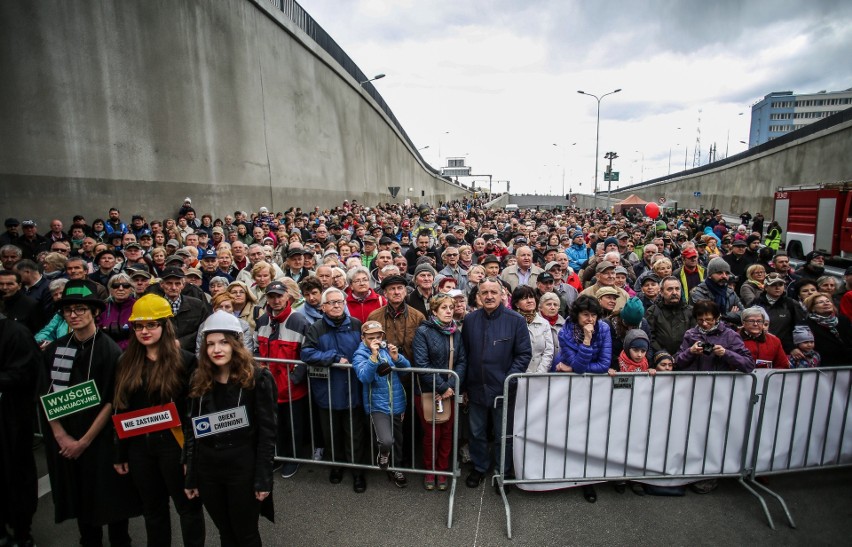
(764, 347)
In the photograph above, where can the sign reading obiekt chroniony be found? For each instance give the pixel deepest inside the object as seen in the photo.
(68, 401)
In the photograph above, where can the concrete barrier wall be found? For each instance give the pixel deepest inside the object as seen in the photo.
(139, 104)
(750, 184)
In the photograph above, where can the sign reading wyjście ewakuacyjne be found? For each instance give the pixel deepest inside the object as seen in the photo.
(59, 404)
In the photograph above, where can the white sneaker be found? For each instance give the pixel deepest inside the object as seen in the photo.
(318, 454)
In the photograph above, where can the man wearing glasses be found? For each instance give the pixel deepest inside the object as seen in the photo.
(334, 339)
(79, 445)
(450, 257)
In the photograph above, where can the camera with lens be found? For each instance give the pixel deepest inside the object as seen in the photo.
(383, 344)
(117, 332)
(706, 347)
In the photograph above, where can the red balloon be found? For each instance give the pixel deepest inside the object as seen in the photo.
(652, 210)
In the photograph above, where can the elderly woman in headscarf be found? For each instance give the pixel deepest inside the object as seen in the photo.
(832, 332)
(244, 302)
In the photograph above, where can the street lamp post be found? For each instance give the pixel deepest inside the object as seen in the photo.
(597, 134)
(376, 77)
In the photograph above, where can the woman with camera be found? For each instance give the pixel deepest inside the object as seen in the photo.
(231, 433)
(711, 345)
(154, 371)
(114, 321)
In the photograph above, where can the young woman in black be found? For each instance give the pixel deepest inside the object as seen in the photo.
(230, 437)
(154, 371)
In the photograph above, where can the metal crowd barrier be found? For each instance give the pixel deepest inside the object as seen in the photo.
(643, 427)
(333, 459)
(817, 401)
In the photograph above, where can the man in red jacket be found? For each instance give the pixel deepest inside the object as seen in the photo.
(280, 334)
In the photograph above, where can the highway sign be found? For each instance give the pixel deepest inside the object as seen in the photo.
(612, 177)
(662, 200)
(573, 199)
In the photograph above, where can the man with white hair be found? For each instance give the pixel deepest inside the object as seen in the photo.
(524, 272)
(334, 339)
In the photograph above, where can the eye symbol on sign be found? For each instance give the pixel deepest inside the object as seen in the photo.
(202, 426)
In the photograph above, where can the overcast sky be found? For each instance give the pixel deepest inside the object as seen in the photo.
(496, 81)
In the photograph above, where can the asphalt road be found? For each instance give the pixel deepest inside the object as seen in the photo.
(311, 511)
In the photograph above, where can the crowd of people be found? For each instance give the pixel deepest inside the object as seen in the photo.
(176, 321)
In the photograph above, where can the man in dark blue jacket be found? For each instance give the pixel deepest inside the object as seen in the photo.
(334, 339)
(497, 343)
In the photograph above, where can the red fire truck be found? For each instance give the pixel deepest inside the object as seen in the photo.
(816, 218)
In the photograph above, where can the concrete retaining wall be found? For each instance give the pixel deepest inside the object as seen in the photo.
(750, 184)
(139, 104)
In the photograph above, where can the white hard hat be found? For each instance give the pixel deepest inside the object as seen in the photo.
(221, 321)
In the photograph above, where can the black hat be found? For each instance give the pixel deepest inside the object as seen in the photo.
(813, 254)
(174, 258)
(393, 280)
(12, 222)
(385, 241)
(173, 272)
(295, 251)
(545, 277)
(490, 259)
(81, 291)
(276, 287)
(104, 252)
(739, 243)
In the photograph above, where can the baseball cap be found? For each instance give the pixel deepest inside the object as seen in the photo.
(689, 253)
(774, 279)
(372, 326)
(209, 253)
(604, 265)
(28, 223)
(173, 243)
(604, 291)
(545, 278)
(276, 287)
(195, 272)
(173, 272)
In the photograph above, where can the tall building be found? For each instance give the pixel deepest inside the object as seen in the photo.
(782, 111)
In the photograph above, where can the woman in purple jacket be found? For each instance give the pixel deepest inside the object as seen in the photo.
(114, 320)
(711, 345)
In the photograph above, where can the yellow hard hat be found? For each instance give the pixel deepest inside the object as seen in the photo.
(151, 307)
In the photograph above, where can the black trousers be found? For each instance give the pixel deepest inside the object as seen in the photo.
(291, 427)
(156, 470)
(226, 486)
(344, 432)
(92, 535)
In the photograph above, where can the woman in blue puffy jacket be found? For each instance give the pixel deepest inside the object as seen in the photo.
(384, 395)
(585, 344)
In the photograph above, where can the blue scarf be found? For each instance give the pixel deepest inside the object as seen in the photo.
(719, 294)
